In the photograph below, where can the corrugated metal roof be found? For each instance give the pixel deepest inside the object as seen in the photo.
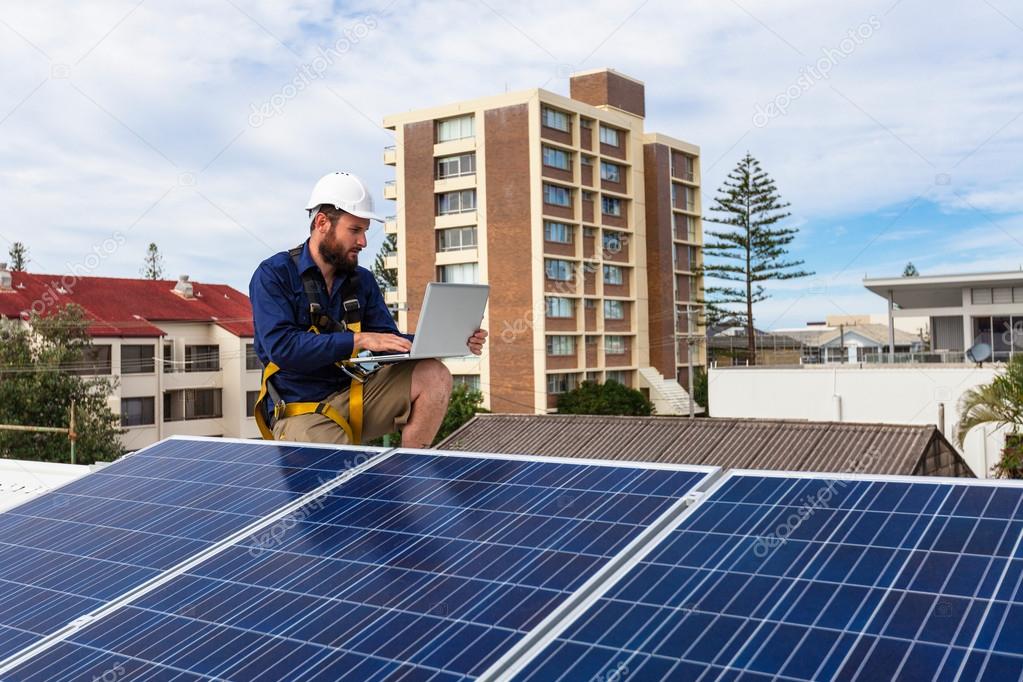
(729, 443)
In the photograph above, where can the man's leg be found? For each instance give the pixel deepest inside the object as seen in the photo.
(431, 389)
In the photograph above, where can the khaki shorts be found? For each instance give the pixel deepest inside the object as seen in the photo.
(386, 404)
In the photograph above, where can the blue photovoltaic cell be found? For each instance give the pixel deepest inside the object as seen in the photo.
(814, 579)
(425, 566)
(70, 551)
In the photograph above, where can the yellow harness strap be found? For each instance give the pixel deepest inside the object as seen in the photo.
(352, 427)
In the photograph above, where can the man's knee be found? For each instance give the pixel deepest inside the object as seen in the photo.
(433, 376)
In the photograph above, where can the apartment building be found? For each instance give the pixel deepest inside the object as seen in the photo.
(586, 227)
(180, 352)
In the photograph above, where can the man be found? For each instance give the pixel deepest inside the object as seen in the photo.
(307, 396)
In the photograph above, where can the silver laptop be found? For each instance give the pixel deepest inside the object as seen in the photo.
(450, 315)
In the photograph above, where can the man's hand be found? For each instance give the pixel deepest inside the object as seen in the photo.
(382, 342)
(477, 340)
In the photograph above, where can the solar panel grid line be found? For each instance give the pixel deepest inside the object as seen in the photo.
(512, 521)
(879, 601)
(809, 564)
(565, 485)
(547, 631)
(99, 466)
(62, 634)
(701, 587)
(849, 531)
(893, 587)
(987, 610)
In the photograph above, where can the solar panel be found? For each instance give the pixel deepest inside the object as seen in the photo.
(425, 565)
(802, 577)
(72, 550)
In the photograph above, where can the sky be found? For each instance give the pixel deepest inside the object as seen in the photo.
(894, 128)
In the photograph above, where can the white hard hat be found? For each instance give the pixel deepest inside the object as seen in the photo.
(345, 192)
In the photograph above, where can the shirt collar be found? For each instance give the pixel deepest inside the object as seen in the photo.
(305, 261)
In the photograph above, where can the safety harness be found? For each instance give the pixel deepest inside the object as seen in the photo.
(322, 323)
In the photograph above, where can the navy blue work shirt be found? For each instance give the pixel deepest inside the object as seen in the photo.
(280, 313)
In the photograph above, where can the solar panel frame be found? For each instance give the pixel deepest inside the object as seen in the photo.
(708, 472)
(60, 634)
(522, 662)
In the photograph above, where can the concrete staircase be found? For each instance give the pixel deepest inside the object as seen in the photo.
(668, 397)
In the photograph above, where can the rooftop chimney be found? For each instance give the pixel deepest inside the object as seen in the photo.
(184, 288)
(608, 88)
(5, 278)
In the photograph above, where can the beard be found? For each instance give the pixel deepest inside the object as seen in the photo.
(343, 262)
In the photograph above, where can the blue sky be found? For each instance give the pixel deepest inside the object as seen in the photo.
(897, 132)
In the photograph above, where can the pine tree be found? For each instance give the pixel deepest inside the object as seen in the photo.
(153, 264)
(19, 256)
(910, 270)
(385, 277)
(753, 251)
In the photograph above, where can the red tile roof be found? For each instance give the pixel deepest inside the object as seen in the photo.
(128, 307)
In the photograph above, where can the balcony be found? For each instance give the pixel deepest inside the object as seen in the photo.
(391, 224)
(390, 155)
(391, 295)
(391, 261)
(391, 189)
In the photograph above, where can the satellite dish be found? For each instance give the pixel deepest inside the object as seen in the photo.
(980, 352)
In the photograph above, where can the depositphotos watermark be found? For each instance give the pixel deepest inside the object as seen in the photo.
(814, 73)
(781, 534)
(65, 286)
(312, 71)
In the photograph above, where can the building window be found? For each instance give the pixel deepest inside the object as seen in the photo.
(611, 172)
(94, 360)
(586, 160)
(608, 136)
(591, 304)
(689, 167)
(138, 411)
(202, 358)
(192, 403)
(556, 158)
(168, 356)
(251, 359)
(138, 359)
(561, 383)
(691, 227)
(554, 194)
(690, 194)
(557, 269)
(250, 403)
(612, 241)
(557, 232)
(456, 202)
(456, 128)
(613, 275)
(456, 239)
(456, 166)
(614, 345)
(616, 376)
(614, 310)
(203, 403)
(560, 345)
(470, 380)
(611, 206)
(459, 273)
(558, 307)
(552, 118)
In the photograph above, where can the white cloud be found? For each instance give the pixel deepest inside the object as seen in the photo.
(84, 156)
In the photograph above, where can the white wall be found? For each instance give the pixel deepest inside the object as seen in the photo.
(909, 394)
